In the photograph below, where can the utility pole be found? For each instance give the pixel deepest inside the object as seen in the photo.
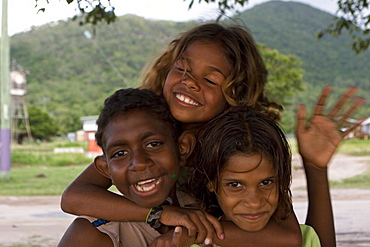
(5, 135)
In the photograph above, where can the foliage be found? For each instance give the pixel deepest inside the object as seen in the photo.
(42, 125)
(70, 78)
(352, 16)
(285, 75)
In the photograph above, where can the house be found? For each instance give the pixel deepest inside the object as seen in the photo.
(364, 132)
(361, 132)
(89, 127)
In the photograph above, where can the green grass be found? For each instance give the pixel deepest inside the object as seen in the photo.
(359, 181)
(44, 180)
(350, 147)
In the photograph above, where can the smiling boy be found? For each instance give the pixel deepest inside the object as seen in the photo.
(143, 147)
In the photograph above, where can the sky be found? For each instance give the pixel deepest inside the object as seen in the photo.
(22, 14)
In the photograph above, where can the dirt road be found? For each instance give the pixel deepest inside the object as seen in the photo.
(38, 221)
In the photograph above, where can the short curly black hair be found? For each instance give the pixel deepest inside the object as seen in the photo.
(125, 100)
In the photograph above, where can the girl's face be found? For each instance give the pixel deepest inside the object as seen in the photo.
(248, 191)
(196, 96)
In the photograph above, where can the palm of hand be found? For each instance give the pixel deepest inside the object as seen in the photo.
(318, 142)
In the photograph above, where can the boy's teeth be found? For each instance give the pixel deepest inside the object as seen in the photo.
(146, 181)
(186, 99)
(153, 181)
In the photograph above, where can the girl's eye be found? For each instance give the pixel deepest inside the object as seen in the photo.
(266, 182)
(211, 82)
(119, 154)
(234, 184)
(180, 69)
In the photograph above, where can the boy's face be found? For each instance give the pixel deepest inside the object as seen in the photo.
(197, 97)
(142, 156)
(248, 191)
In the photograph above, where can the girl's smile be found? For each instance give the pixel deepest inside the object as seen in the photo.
(247, 191)
(193, 87)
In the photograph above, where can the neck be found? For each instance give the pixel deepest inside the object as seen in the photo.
(193, 127)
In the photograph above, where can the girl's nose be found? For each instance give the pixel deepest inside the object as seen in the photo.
(254, 199)
(190, 82)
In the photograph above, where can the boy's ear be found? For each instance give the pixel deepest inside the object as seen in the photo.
(186, 146)
(101, 165)
(211, 187)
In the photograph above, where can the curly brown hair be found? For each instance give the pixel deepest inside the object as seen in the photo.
(239, 130)
(246, 82)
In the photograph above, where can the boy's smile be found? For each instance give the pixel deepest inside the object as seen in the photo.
(193, 87)
(142, 156)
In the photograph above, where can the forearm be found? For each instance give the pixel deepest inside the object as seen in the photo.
(286, 233)
(83, 197)
(320, 212)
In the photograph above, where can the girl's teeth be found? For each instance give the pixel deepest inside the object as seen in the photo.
(186, 99)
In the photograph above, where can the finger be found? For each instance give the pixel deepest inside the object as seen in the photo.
(301, 118)
(349, 130)
(359, 101)
(176, 237)
(191, 227)
(319, 108)
(202, 225)
(347, 95)
(216, 226)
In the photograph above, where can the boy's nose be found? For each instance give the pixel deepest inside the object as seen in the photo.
(140, 161)
(190, 82)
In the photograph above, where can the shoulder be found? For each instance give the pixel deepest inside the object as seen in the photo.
(309, 236)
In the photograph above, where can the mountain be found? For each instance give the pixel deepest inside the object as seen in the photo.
(292, 28)
(71, 75)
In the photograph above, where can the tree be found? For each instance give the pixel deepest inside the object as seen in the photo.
(42, 124)
(352, 16)
(285, 75)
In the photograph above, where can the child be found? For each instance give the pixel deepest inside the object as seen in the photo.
(244, 162)
(144, 148)
(201, 74)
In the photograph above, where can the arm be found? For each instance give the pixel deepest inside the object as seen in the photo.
(88, 195)
(317, 142)
(274, 234)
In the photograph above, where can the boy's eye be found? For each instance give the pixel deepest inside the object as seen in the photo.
(119, 154)
(154, 144)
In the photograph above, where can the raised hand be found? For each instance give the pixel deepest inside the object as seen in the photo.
(198, 223)
(319, 138)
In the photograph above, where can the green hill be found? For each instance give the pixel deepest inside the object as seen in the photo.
(72, 75)
(292, 28)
